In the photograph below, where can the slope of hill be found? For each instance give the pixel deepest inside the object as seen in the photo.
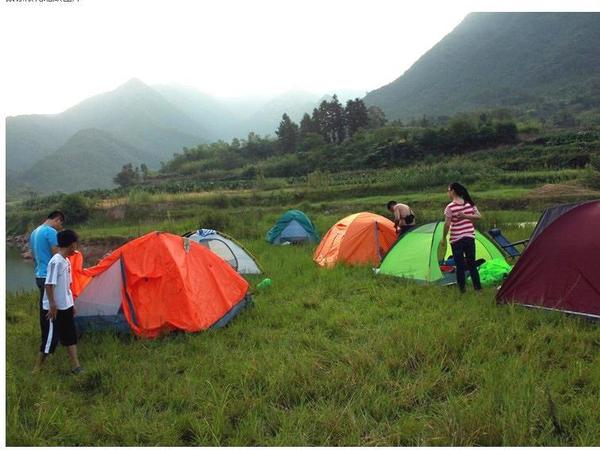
(89, 159)
(134, 113)
(266, 119)
(501, 60)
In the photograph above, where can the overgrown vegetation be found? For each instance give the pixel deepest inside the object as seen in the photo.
(354, 359)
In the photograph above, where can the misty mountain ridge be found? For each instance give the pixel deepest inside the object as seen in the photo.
(153, 121)
(491, 60)
(90, 158)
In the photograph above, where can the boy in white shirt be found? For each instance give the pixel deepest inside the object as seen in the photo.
(59, 324)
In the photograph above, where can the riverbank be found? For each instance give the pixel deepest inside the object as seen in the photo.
(93, 249)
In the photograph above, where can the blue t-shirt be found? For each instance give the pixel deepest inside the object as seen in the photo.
(41, 241)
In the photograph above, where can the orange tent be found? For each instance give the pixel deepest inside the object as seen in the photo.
(158, 283)
(361, 238)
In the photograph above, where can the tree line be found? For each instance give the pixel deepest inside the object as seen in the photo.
(333, 138)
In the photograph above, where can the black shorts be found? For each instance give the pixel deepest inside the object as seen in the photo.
(404, 228)
(60, 329)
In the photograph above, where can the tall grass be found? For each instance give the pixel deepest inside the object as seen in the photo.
(325, 357)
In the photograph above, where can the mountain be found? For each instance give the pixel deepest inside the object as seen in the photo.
(266, 119)
(89, 159)
(133, 113)
(145, 123)
(217, 118)
(500, 60)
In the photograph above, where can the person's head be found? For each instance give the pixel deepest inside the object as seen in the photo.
(67, 241)
(458, 190)
(391, 204)
(56, 219)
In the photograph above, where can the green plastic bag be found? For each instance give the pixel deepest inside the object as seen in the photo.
(493, 272)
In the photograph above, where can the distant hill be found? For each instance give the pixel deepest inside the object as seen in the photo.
(158, 120)
(501, 60)
(133, 113)
(218, 120)
(89, 159)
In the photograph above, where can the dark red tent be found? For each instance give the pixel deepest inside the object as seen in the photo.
(560, 268)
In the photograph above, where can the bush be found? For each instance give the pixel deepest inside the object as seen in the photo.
(217, 220)
(595, 162)
(591, 178)
(76, 207)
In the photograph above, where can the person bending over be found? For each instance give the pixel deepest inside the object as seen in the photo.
(404, 218)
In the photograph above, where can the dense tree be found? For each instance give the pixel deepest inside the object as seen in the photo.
(128, 176)
(356, 116)
(145, 171)
(377, 117)
(287, 134)
(331, 120)
(308, 125)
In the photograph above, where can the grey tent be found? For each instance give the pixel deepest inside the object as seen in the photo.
(231, 251)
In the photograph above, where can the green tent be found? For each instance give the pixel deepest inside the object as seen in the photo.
(293, 227)
(415, 255)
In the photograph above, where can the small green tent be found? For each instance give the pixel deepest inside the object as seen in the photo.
(293, 227)
(415, 255)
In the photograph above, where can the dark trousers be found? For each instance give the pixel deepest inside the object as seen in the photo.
(464, 257)
(40, 282)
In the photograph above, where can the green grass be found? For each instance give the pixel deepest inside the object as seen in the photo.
(325, 357)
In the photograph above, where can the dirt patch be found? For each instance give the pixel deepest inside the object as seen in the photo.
(561, 190)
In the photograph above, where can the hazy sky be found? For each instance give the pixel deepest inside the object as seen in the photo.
(55, 54)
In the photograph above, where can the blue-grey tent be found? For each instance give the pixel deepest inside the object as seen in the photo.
(294, 227)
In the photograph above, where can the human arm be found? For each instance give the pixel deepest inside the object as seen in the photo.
(51, 281)
(51, 239)
(446, 229)
(447, 223)
(472, 217)
(398, 219)
(51, 301)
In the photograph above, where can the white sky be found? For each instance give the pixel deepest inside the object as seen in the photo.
(57, 54)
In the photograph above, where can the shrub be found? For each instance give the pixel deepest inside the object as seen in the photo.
(217, 220)
(76, 207)
(591, 178)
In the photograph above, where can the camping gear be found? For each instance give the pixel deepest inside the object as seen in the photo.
(159, 283)
(264, 283)
(230, 250)
(415, 255)
(560, 268)
(492, 273)
(361, 238)
(508, 247)
(293, 227)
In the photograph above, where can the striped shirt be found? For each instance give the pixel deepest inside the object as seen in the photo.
(460, 228)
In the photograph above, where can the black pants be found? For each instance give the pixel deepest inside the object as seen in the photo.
(404, 229)
(464, 257)
(40, 282)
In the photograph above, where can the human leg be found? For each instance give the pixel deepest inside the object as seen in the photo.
(459, 260)
(469, 249)
(68, 336)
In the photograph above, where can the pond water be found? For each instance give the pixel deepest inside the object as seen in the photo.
(19, 272)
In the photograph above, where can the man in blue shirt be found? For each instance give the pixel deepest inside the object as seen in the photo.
(43, 245)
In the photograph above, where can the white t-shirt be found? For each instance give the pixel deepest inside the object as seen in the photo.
(59, 276)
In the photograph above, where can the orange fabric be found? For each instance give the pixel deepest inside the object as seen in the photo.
(171, 288)
(78, 283)
(360, 238)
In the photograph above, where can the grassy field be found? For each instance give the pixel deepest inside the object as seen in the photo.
(324, 357)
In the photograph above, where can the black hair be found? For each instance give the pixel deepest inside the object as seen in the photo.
(391, 203)
(462, 192)
(59, 214)
(66, 238)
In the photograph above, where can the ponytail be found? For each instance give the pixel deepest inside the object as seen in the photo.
(462, 192)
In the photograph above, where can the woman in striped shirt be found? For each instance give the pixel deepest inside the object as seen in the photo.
(460, 214)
